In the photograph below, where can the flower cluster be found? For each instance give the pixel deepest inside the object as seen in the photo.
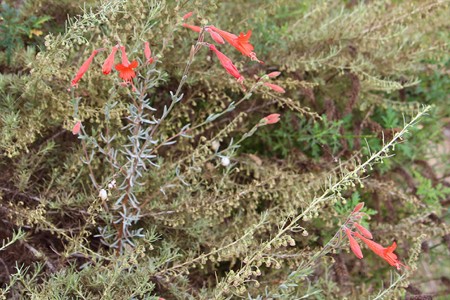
(240, 43)
(127, 72)
(125, 68)
(366, 237)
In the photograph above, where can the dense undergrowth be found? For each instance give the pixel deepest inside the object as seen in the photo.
(176, 186)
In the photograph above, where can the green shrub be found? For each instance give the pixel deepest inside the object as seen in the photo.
(181, 184)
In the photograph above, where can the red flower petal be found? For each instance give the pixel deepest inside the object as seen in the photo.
(188, 15)
(125, 60)
(358, 207)
(272, 119)
(385, 253)
(126, 72)
(216, 37)
(227, 64)
(275, 87)
(273, 74)
(354, 246)
(192, 27)
(84, 67)
(363, 231)
(109, 62)
(241, 42)
(76, 128)
(147, 51)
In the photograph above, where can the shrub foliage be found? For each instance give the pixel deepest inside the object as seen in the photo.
(178, 187)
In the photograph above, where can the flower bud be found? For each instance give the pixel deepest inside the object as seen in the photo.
(103, 194)
(270, 119)
(112, 184)
(358, 207)
(275, 87)
(274, 74)
(225, 161)
(215, 145)
(188, 15)
(366, 233)
(354, 244)
(76, 128)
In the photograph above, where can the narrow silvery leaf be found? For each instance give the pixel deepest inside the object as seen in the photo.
(231, 107)
(212, 117)
(179, 98)
(104, 139)
(185, 127)
(155, 120)
(177, 172)
(153, 164)
(120, 199)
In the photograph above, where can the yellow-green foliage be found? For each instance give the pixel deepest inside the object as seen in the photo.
(179, 221)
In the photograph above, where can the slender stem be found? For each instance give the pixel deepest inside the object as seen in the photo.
(91, 171)
(182, 81)
(393, 284)
(245, 97)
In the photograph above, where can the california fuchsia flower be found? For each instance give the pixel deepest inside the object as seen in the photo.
(188, 15)
(241, 42)
(275, 87)
(84, 67)
(358, 207)
(126, 72)
(109, 62)
(274, 74)
(354, 246)
(192, 27)
(125, 60)
(363, 231)
(386, 253)
(148, 53)
(272, 119)
(227, 64)
(76, 128)
(215, 36)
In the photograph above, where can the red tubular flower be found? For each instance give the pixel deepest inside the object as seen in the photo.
(188, 15)
(215, 36)
(125, 61)
(274, 74)
(272, 119)
(148, 53)
(241, 42)
(275, 87)
(227, 64)
(363, 231)
(385, 253)
(76, 128)
(109, 62)
(84, 67)
(192, 27)
(354, 246)
(126, 72)
(358, 207)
